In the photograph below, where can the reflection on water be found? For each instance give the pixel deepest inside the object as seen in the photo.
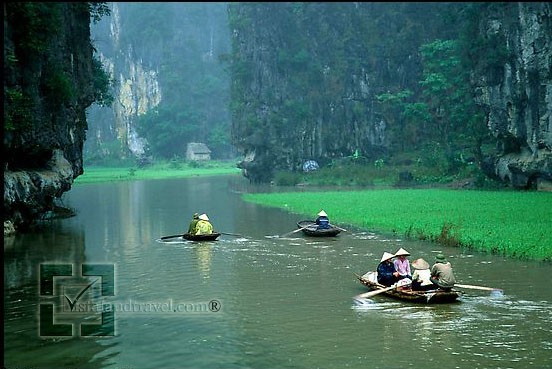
(22, 345)
(285, 302)
(202, 250)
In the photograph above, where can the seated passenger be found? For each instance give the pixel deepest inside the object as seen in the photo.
(402, 265)
(203, 226)
(387, 275)
(421, 276)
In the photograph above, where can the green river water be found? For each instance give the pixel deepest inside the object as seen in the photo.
(254, 300)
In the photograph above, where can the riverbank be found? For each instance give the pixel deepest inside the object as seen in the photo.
(166, 170)
(510, 223)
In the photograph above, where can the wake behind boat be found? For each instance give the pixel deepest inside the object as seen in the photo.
(406, 293)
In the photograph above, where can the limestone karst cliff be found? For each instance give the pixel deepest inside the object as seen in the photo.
(517, 92)
(306, 80)
(50, 78)
(169, 87)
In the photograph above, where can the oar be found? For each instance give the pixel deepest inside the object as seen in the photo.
(167, 237)
(297, 230)
(231, 234)
(477, 287)
(341, 229)
(401, 283)
(376, 292)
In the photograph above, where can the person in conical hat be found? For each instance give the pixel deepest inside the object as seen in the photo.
(402, 265)
(420, 264)
(402, 252)
(203, 225)
(322, 221)
(421, 276)
(387, 275)
(386, 256)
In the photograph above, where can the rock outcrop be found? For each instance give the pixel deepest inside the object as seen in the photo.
(517, 94)
(48, 84)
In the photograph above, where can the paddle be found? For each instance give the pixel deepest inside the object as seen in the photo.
(341, 229)
(297, 230)
(477, 287)
(376, 292)
(231, 234)
(401, 283)
(180, 235)
(167, 237)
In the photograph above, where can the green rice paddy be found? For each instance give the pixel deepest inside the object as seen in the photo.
(513, 224)
(158, 171)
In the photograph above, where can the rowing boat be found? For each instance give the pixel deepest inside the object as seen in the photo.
(309, 228)
(407, 294)
(201, 237)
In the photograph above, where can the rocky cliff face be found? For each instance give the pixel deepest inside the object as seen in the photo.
(348, 53)
(302, 88)
(48, 84)
(136, 89)
(517, 93)
(163, 59)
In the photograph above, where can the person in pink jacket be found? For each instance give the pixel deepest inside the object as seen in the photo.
(402, 264)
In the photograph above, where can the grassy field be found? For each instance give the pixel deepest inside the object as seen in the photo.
(156, 171)
(513, 224)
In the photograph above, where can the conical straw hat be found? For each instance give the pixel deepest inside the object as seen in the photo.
(387, 256)
(420, 264)
(402, 252)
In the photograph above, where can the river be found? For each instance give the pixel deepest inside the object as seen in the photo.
(251, 299)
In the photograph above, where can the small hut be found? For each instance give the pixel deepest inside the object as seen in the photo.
(198, 151)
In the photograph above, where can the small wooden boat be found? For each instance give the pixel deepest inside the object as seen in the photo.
(311, 229)
(201, 237)
(407, 294)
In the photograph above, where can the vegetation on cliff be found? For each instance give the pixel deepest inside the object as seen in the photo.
(50, 77)
(322, 81)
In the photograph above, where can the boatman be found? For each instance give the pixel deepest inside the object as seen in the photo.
(203, 226)
(441, 273)
(323, 221)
